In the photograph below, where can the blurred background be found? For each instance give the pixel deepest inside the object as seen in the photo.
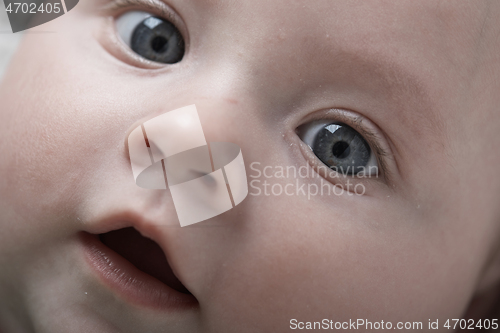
(8, 40)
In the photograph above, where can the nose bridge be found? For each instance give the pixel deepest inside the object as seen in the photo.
(225, 103)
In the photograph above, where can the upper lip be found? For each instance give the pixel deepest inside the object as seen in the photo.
(123, 219)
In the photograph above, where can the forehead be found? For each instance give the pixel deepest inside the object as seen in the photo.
(349, 22)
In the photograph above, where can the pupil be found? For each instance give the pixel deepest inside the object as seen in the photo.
(158, 43)
(341, 149)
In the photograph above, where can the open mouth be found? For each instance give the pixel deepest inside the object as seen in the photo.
(144, 254)
(137, 268)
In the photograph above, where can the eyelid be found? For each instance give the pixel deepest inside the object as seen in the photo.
(360, 124)
(155, 7)
(158, 7)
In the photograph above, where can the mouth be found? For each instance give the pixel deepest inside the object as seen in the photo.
(136, 268)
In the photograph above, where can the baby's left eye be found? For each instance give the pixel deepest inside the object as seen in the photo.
(151, 37)
(340, 147)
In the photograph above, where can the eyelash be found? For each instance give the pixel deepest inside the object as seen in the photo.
(356, 122)
(156, 7)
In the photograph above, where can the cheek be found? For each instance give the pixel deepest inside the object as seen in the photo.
(54, 130)
(298, 258)
(34, 133)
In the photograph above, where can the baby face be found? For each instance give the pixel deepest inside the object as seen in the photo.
(409, 88)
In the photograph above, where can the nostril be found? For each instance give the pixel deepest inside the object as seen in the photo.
(143, 253)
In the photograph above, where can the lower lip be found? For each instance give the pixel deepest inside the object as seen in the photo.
(130, 283)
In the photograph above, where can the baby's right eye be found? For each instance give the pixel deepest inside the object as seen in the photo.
(151, 37)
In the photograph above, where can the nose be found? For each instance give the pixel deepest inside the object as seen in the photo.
(204, 179)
